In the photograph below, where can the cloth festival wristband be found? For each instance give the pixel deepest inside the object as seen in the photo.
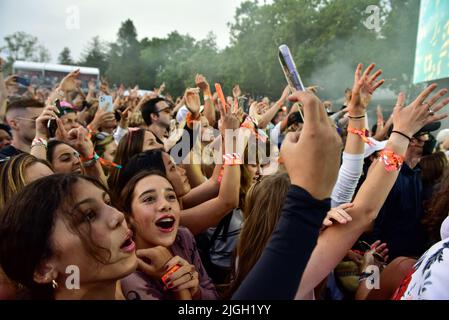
(362, 134)
(392, 161)
(232, 159)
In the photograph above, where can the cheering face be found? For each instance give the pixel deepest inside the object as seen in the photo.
(106, 252)
(66, 159)
(155, 212)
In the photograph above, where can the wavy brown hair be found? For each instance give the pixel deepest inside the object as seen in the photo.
(130, 145)
(263, 208)
(437, 209)
(433, 168)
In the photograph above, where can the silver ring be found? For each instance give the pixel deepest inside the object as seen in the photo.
(191, 275)
(431, 111)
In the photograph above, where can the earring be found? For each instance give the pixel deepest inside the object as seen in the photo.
(54, 284)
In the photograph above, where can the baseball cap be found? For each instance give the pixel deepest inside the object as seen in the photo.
(428, 128)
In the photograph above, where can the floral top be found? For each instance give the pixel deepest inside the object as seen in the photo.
(430, 281)
(139, 286)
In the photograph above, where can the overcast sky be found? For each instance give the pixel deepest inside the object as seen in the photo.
(54, 22)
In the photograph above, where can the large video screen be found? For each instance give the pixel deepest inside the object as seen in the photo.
(432, 47)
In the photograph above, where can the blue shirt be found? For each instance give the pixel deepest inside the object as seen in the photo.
(399, 220)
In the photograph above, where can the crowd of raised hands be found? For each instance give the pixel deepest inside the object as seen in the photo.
(209, 196)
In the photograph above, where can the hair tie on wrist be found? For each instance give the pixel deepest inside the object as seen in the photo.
(402, 134)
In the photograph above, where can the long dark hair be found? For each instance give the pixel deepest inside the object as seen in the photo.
(148, 160)
(27, 224)
(130, 145)
(437, 210)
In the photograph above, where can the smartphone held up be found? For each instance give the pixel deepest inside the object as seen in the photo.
(291, 73)
(289, 68)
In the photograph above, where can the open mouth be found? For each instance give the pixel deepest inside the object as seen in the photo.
(128, 245)
(166, 224)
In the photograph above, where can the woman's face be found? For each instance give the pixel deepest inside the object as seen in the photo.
(155, 212)
(93, 215)
(150, 142)
(176, 175)
(36, 171)
(110, 151)
(66, 159)
(254, 171)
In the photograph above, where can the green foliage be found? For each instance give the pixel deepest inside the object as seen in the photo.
(327, 39)
(65, 57)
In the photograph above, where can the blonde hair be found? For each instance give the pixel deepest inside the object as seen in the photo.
(263, 207)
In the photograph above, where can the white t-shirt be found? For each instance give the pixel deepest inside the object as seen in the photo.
(430, 281)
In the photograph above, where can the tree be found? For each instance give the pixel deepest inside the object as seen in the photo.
(95, 55)
(125, 64)
(65, 57)
(23, 46)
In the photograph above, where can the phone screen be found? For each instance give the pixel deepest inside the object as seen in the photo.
(289, 69)
(106, 103)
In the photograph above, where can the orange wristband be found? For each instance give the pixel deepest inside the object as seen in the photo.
(363, 134)
(391, 160)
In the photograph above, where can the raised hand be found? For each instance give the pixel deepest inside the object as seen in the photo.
(201, 82)
(409, 120)
(50, 112)
(78, 139)
(236, 92)
(68, 83)
(313, 159)
(192, 99)
(362, 91)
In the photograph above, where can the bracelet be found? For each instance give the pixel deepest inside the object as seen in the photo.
(38, 142)
(232, 159)
(356, 118)
(391, 160)
(402, 134)
(89, 161)
(363, 134)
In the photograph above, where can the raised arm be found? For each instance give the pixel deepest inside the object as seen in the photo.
(336, 241)
(265, 119)
(364, 86)
(278, 272)
(209, 214)
(209, 108)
